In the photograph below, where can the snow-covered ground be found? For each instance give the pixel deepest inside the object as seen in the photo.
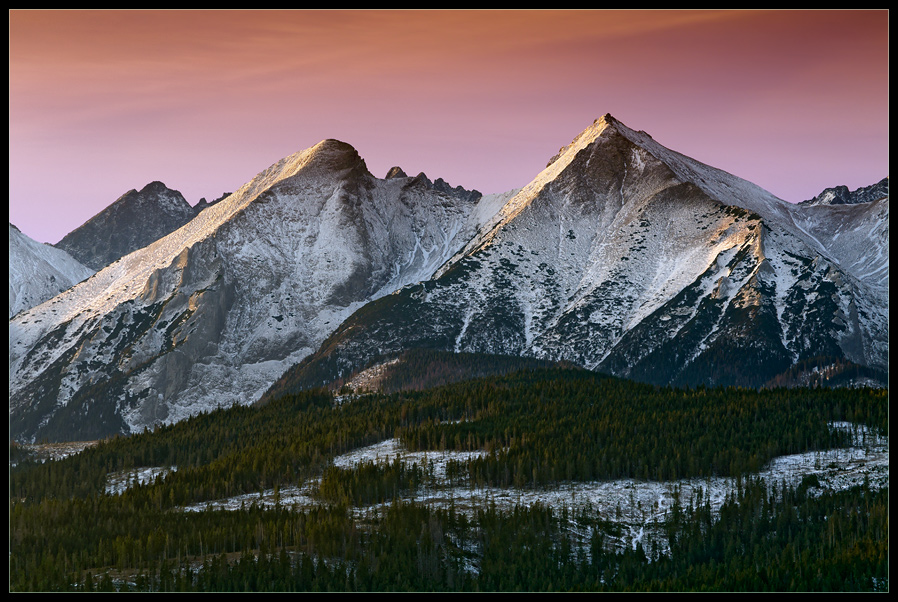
(118, 482)
(38, 272)
(639, 508)
(57, 451)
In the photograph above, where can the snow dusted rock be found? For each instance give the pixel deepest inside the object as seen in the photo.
(621, 256)
(629, 258)
(38, 272)
(840, 195)
(211, 314)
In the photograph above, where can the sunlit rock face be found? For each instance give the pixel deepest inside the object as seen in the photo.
(621, 256)
(629, 258)
(212, 313)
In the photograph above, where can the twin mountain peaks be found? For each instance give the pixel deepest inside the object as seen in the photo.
(621, 256)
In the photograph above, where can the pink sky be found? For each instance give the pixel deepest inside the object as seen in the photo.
(101, 102)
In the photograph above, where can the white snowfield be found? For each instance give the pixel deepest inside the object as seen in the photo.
(639, 507)
(38, 271)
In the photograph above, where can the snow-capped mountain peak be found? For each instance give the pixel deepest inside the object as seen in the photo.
(625, 256)
(621, 255)
(213, 312)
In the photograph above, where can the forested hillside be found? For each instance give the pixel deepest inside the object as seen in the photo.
(534, 429)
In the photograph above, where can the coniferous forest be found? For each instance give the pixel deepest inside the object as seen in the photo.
(532, 429)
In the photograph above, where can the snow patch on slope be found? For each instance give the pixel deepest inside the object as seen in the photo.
(38, 272)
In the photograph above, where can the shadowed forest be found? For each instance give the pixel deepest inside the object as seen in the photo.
(536, 428)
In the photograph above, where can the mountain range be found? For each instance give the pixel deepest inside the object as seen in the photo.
(621, 256)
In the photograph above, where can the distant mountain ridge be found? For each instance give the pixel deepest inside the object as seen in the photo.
(621, 256)
(840, 195)
(439, 184)
(38, 272)
(133, 221)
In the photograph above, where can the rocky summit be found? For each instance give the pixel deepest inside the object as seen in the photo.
(629, 258)
(133, 221)
(212, 313)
